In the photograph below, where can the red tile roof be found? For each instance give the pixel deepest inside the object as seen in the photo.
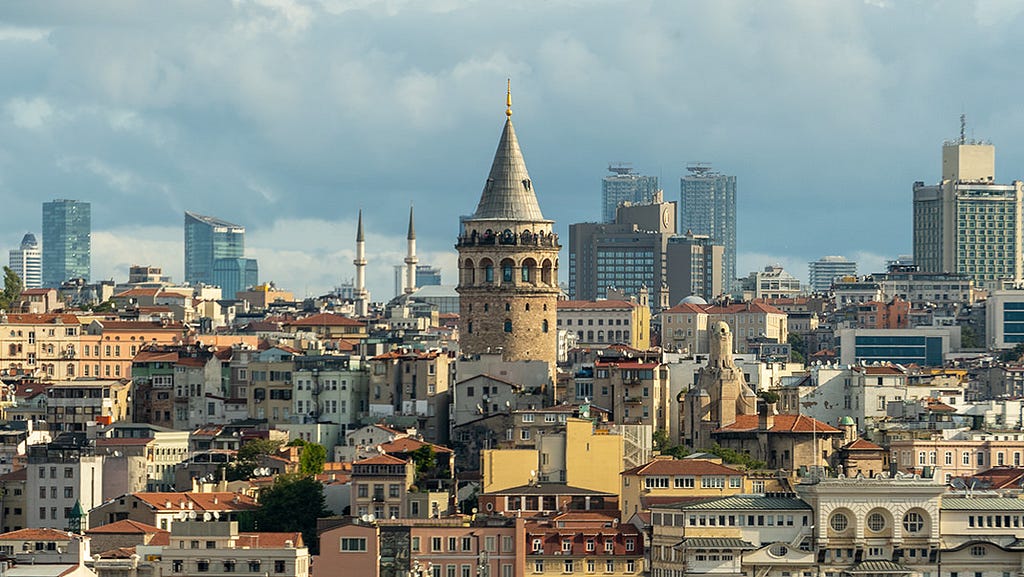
(408, 445)
(782, 424)
(863, 445)
(125, 527)
(681, 467)
(16, 475)
(41, 319)
(226, 501)
(36, 535)
(269, 540)
(601, 304)
(382, 460)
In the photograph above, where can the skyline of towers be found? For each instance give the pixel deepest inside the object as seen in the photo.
(27, 262)
(708, 206)
(967, 223)
(625, 185)
(67, 241)
(215, 255)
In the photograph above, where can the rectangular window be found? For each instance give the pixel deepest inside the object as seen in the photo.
(358, 544)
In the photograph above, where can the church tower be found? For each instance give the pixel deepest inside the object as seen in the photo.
(508, 264)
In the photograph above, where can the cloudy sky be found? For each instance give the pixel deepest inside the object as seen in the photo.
(287, 117)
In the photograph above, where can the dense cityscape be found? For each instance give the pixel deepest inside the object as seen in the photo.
(738, 292)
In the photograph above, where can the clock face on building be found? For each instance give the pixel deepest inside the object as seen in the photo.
(666, 217)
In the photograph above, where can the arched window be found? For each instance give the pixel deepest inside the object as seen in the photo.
(506, 272)
(488, 272)
(524, 273)
(508, 325)
(544, 325)
(469, 327)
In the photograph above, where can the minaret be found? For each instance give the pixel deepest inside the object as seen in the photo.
(410, 259)
(362, 296)
(508, 264)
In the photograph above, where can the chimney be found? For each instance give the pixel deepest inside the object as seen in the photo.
(766, 416)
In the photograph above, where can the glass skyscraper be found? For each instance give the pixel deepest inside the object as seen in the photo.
(208, 242)
(625, 185)
(708, 207)
(67, 241)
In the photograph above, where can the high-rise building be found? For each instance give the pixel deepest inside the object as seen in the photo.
(235, 275)
(967, 223)
(427, 275)
(625, 185)
(27, 262)
(828, 268)
(508, 265)
(67, 237)
(708, 206)
(694, 265)
(627, 255)
(209, 239)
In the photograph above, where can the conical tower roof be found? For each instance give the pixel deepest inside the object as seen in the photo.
(359, 230)
(412, 227)
(508, 193)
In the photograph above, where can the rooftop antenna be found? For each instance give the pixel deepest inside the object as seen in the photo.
(963, 128)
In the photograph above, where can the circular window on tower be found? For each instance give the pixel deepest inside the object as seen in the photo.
(839, 522)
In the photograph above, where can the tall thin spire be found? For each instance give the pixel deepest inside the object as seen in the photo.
(508, 100)
(411, 259)
(361, 296)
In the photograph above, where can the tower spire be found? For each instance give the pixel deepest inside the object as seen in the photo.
(361, 295)
(410, 259)
(508, 100)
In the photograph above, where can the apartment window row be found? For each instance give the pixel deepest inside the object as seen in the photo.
(726, 520)
(227, 566)
(1003, 521)
(568, 566)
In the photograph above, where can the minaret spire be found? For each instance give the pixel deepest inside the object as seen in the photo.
(362, 296)
(410, 259)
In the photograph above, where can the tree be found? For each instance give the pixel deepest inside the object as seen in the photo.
(293, 503)
(425, 460)
(312, 459)
(12, 288)
(1014, 354)
(797, 348)
(249, 456)
(297, 442)
(735, 457)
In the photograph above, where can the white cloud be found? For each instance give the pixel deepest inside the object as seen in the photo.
(31, 114)
(23, 34)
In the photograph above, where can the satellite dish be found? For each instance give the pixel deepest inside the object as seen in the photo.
(182, 516)
(192, 515)
(216, 515)
(532, 472)
(365, 518)
(207, 517)
(370, 518)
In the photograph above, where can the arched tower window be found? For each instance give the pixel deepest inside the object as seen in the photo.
(544, 325)
(488, 267)
(508, 325)
(507, 267)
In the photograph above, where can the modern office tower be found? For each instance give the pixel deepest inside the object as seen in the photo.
(694, 266)
(27, 262)
(627, 255)
(234, 275)
(508, 265)
(67, 234)
(427, 275)
(208, 239)
(828, 268)
(708, 206)
(625, 185)
(967, 223)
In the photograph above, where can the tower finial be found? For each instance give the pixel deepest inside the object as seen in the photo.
(508, 100)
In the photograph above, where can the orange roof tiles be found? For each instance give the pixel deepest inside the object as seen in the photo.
(782, 424)
(225, 501)
(125, 527)
(602, 304)
(36, 535)
(408, 445)
(41, 319)
(863, 445)
(382, 460)
(681, 467)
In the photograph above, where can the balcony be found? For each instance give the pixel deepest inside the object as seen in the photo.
(633, 400)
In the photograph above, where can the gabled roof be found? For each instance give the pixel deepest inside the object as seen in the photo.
(782, 424)
(508, 193)
(863, 445)
(382, 460)
(40, 319)
(408, 445)
(125, 527)
(36, 535)
(659, 467)
(225, 501)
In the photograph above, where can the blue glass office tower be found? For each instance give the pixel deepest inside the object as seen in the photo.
(67, 241)
(708, 206)
(625, 185)
(210, 240)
